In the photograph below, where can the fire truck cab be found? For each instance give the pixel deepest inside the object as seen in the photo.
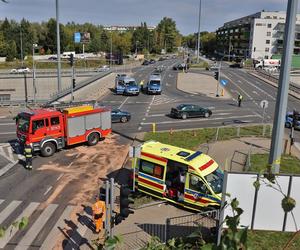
(187, 178)
(49, 130)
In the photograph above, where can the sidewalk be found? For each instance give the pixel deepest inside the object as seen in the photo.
(200, 84)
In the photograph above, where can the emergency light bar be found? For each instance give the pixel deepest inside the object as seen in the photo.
(193, 156)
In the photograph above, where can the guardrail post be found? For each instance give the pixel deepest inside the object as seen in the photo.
(264, 130)
(217, 134)
(238, 130)
(167, 232)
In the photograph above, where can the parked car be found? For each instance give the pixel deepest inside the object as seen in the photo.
(118, 115)
(20, 70)
(52, 58)
(289, 120)
(152, 61)
(184, 111)
(214, 67)
(181, 66)
(103, 68)
(146, 62)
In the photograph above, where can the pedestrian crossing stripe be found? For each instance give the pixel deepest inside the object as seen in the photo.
(36, 226)
(162, 99)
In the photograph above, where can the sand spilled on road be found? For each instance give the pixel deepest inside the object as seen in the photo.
(84, 174)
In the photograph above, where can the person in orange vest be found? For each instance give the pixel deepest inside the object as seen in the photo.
(99, 210)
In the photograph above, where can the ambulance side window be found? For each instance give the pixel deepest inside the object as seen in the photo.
(152, 169)
(196, 184)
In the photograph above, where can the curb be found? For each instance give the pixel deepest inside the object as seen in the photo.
(291, 92)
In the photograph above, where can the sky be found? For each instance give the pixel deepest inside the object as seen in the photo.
(132, 12)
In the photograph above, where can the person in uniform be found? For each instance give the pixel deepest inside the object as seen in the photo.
(99, 210)
(28, 156)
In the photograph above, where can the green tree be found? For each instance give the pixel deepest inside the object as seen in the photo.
(11, 51)
(2, 45)
(167, 34)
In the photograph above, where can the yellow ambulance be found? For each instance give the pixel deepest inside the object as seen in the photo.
(188, 178)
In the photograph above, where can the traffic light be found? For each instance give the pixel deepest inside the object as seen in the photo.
(74, 83)
(217, 75)
(71, 59)
(295, 118)
(125, 201)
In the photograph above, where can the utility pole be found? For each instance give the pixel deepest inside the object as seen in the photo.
(33, 73)
(58, 49)
(110, 57)
(283, 86)
(21, 45)
(198, 42)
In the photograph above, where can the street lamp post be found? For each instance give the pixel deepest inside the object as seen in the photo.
(198, 42)
(33, 72)
(58, 49)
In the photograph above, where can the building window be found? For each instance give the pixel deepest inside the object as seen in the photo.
(268, 33)
(267, 49)
(267, 41)
(269, 25)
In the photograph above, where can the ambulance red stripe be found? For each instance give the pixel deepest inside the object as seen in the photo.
(151, 183)
(207, 165)
(154, 157)
(191, 197)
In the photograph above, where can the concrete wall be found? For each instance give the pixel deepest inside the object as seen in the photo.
(45, 87)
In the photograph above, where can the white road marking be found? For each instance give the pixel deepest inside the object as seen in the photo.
(48, 190)
(7, 168)
(36, 227)
(8, 210)
(139, 128)
(51, 239)
(70, 164)
(198, 120)
(156, 115)
(144, 118)
(13, 230)
(7, 133)
(7, 124)
(254, 92)
(123, 102)
(61, 175)
(10, 153)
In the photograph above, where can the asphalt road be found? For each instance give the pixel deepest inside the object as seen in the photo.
(22, 191)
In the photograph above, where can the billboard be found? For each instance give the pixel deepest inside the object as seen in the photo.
(82, 37)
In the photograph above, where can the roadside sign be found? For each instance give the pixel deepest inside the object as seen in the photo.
(264, 104)
(224, 82)
(77, 37)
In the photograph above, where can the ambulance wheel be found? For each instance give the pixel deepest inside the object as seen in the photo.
(93, 139)
(48, 149)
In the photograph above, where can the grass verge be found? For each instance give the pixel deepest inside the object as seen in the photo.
(289, 164)
(191, 139)
(265, 240)
(141, 199)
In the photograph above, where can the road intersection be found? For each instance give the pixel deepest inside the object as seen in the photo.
(40, 193)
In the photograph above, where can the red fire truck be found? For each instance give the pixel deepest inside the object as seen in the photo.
(49, 129)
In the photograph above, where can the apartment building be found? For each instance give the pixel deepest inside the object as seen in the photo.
(256, 36)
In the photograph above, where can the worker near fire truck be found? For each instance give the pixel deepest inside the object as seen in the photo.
(28, 156)
(99, 210)
(240, 98)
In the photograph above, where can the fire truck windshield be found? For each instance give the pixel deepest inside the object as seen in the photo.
(23, 124)
(215, 180)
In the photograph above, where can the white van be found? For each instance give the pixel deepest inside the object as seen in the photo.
(67, 54)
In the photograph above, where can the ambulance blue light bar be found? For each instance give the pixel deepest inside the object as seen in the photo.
(193, 156)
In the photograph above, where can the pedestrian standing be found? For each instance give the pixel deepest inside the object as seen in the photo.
(28, 156)
(240, 98)
(99, 210)
(142, 85)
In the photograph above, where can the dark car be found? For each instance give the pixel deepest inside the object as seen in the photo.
(181, 66)
(184, 111)
(152, 61)
(145, 62)
(118, 115)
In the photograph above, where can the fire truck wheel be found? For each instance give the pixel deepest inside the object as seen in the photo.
(93, 139)
(48, 149)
